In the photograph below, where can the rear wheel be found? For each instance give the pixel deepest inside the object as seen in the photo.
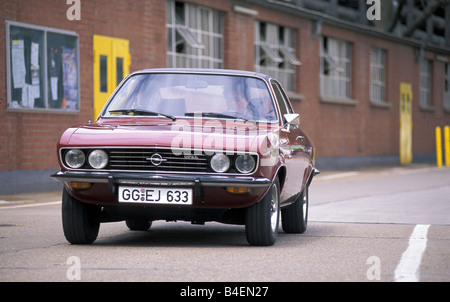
(80, 220)
(261, 223)
(294, 219)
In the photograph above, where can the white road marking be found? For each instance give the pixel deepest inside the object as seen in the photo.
(339, 175)
(31, 205)
(408, 268)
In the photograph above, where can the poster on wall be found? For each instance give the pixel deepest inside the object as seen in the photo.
(70, 80)
(18, 63)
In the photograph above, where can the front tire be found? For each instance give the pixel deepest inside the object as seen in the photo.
(261, 222)
(294, 219)
(80, 221)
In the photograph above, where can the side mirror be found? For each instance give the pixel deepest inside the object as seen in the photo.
(292, 119)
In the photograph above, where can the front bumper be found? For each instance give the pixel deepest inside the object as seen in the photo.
(198, 182)
(211, 201)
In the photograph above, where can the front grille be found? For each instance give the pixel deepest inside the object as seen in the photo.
(157, 159)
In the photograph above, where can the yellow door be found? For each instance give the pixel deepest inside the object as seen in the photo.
(111, 65)
(406, 155)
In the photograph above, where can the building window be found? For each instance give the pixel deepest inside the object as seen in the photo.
(447, 87)
(275, 52)
(378, 75)
(194, 36)
(425, 83)
(42, 67)
(335, 68)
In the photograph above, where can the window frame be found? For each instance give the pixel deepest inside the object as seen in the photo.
(44, 77)
(447, 87)
(280, 52)
(426, 84)
(378, 75)
(190, 37)
(341, 63)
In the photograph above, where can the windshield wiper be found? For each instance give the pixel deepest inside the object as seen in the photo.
(216, 114)
(143, 112)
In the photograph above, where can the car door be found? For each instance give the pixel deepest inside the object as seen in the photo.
(293, 147)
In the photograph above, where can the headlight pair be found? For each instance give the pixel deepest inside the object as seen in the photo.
(221, 163)
(75, 159)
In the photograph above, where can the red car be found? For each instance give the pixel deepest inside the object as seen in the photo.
(192, 145)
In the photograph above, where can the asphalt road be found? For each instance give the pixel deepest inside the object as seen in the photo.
(389, 224)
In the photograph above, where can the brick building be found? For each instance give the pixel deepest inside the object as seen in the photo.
(357, 79)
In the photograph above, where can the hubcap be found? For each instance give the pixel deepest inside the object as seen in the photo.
(274, 209)
(305, 206)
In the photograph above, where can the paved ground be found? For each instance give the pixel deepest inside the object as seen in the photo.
(362, 223)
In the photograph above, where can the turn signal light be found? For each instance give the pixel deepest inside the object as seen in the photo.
(237, 190)
(80, 185)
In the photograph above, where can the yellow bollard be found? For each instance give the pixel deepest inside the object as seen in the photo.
(447, 145)
(438, 147)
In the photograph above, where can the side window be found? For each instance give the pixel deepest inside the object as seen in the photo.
(282, 100)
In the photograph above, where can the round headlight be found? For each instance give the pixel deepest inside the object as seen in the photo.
(245, 163)
(75, 158)
(220, 163)
(98, 159)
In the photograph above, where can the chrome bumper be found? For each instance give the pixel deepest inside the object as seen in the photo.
(113, 179)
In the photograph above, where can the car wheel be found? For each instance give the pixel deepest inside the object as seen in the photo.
(261, 223)
(138, 224)
(294, 219)
(80, 220)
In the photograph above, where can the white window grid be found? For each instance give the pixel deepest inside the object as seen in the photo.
(195, 41)
(275, 52)
(335, 68)
(425, 83)
(447, 87)
(378, 75)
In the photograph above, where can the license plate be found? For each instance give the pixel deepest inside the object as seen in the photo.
(147, 195)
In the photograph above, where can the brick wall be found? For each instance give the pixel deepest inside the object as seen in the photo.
(28, 139)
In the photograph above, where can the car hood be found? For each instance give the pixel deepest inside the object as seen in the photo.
(212, 134)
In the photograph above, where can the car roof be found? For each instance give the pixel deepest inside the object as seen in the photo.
(232, 72)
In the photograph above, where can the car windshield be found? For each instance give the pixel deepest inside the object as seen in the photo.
(173, 95)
